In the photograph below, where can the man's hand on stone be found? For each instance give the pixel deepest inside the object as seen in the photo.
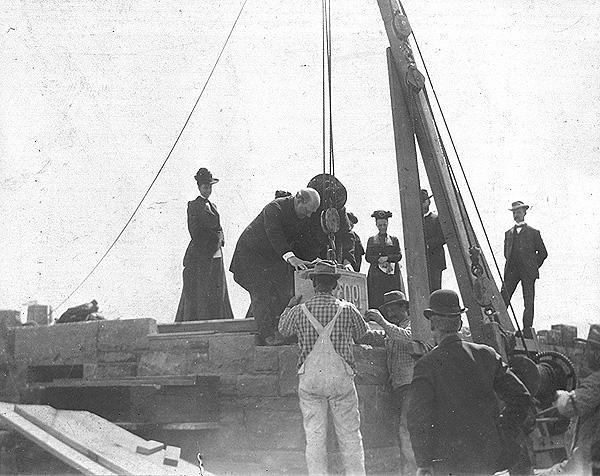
(298, 263)
(295, 300)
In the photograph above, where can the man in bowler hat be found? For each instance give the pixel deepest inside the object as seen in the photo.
(453, 407)
(434, 243)
(393, 317)
(525, 253)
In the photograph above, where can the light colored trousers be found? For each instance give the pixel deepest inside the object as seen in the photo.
(346, 421)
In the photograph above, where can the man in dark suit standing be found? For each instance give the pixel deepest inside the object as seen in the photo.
(434, 242)
(525, 252)
(453, 413)
(263, 258)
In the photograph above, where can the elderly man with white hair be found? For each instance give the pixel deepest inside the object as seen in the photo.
(263, 258)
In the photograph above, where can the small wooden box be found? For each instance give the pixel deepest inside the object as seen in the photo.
(352, 287)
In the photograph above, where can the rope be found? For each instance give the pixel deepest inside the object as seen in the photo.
(161, 167)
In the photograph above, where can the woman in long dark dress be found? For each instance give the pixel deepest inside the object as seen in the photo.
(204, 294)
(383, 254)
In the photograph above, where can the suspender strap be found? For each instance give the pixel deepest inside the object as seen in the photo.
(317, 325)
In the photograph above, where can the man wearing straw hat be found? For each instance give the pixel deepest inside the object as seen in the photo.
(453, 406)
(326, 328)
(525, 252)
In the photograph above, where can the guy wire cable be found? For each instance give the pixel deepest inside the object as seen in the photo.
(161, 167)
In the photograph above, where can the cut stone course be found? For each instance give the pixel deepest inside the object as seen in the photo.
(122, 335)
(173, 363)
(288, 370)
(266, 359)
(257, 385)
(61, 344)
(231, 353)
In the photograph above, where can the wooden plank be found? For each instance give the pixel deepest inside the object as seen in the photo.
(96, 438)
(185, 426)
(149, 447)
(142, 381)
(172, 454)
(48, 442)
(129, 440)
(220, 325)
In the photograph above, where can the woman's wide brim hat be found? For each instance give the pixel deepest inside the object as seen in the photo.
(204, 176)
(381, 214)
(445, 303)
(593, 335)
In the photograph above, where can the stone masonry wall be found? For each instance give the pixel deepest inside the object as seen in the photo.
(259, 423)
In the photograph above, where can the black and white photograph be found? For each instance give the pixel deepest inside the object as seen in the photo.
(353, 237)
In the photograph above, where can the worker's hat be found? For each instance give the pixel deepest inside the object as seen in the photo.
(593, 335)
(518, 204)
(393, 297)
(445, 303)
(323, 268)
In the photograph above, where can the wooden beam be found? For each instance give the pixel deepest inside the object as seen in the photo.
(410, 202)
(453, 218)
(53, 445)
(98, 439)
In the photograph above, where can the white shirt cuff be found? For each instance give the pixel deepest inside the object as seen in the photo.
(288, 255)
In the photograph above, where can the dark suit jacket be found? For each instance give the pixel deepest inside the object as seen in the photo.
(453, 409)
(434, 241)
(204, 225)
(258, 254)
(532, 250)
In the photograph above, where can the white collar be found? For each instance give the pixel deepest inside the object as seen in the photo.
(520, 224)
(427, 214)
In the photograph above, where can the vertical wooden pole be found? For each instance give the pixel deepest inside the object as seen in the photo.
(410, 202)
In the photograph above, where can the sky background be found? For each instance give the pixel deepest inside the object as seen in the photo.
(94, 94)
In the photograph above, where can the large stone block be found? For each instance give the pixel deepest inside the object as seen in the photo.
(288, 370)
(568, 333)
(275, 430)
(173, 363)
(266, 359)
(257, 385)
(60, 344)
(231, 353)
(124, 335)
(371, 365)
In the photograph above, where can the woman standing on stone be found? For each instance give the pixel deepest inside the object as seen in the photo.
(204, 293)
(383, 253)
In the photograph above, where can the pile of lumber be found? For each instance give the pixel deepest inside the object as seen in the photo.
(91, 444)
